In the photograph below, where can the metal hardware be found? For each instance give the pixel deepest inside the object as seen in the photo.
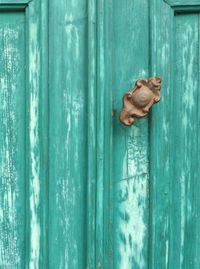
(139, 100)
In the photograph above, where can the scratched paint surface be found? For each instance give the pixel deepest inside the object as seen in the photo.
(130, 168)
(23, 153)
(68, 134)
(12, 140)
(98, 49)
(185, 238)
(34, 138)
(174, 157)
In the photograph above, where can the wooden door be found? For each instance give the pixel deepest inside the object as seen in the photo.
(77, 188)
(156, 162)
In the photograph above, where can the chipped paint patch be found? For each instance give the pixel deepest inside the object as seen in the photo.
(182, 183)
(190, 85)
(132, 203)
(132, 224)
(167, 253)
(73, 39)
(34, 69)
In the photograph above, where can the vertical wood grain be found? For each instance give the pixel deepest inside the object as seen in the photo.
(37, 131)
(24, 114)
(104, 135)
(107, 110)
(130, 153)
(12, 140)
(74, 181)
(160, 136)
(91, 132)
(68, 134)
(174, 139)
(185, 188)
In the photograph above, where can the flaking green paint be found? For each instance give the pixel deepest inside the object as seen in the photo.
(174, 142)
(78, 189)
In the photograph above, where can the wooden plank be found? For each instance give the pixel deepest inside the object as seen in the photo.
(92, 134)
(104, 135)
(130, 145)
(37, 131)
(12, 140)
(106, 106)
(160, 136)
(44, 128)
(68, 144)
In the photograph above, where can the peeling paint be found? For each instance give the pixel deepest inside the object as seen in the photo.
(72, 31)
(167, 253)
(10, 238)
(34, 71)
(133, 197)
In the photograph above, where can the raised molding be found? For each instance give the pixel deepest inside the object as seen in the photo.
(175, 3)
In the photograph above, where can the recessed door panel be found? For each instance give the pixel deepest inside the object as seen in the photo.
(12, 139)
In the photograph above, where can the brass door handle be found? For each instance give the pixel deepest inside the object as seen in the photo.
(138, 101)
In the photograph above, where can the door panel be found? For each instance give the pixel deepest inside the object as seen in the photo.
(174, 158)
(23, 134)
(12, 139)
(185, 240)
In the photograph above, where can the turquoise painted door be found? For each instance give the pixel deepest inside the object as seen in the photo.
(78, 190)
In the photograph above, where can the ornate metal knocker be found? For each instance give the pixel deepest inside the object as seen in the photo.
(138, 101)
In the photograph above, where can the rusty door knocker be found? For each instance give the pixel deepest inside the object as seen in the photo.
(138, 101)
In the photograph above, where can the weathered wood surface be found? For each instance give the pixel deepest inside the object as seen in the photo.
(75, 189)
(174, 158)
(72, 207)
(68, 102)
(12, 140)
(23, 135)
(130, 144)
